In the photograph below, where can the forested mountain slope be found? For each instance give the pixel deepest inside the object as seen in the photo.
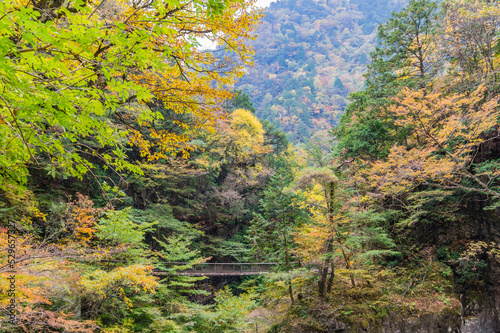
(309, 55)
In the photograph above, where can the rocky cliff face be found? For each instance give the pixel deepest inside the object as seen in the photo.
(444, 323)
(481, 311)
(476, 318)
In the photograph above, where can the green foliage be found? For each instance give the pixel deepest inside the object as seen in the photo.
(241, 100)
(67, 86)
(468, 266)
(275, 137)
(177, 249)
(338, 84)
(270, 232)
(229, 314)
(242, 194)
(161, 216)
(402, 59)
(235, 248)
(118, 228)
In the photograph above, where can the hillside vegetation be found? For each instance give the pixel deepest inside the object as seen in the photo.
(309, 55)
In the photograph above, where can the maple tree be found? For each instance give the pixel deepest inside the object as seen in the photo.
(73, 262)
(424, 138)
(320, 184)
(448, 122)
(432, 118)
(76, 77)
(446, 132)
(341, 238)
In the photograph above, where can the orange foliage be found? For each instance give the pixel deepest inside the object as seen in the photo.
(44, 321)
(81, 219)
(445, 133)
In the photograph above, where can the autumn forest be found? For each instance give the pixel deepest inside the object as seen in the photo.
(322, 166)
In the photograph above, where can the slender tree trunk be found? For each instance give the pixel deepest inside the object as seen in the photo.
(348, 266)
(322, 283)
(287, 261)
(325, 283)
(323, 272)
(332, 276)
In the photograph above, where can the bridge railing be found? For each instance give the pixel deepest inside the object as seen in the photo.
(224, 268)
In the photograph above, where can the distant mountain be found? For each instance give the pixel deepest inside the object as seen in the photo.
(309, 56)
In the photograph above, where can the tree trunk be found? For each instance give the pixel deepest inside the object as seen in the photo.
(332, 276)
(348, 266)
(326, 283)
(287, 261)
(322, 283)
(322, 280)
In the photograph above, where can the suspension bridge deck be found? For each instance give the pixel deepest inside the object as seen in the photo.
(219, 269)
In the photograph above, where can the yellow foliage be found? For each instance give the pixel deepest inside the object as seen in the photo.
(237, 140)
(24, 206)
(137, 277)
(468, 37)
(80, 220)
(38, 271)
(248, 133)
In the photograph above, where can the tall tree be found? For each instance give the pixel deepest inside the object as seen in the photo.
(271, 233)
(405, 57)
(71, 70)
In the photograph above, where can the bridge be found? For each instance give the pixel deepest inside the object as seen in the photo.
(219, 269)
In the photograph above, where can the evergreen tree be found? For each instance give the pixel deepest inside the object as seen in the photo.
(270, 233)
(402, 59)
(241, 100)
